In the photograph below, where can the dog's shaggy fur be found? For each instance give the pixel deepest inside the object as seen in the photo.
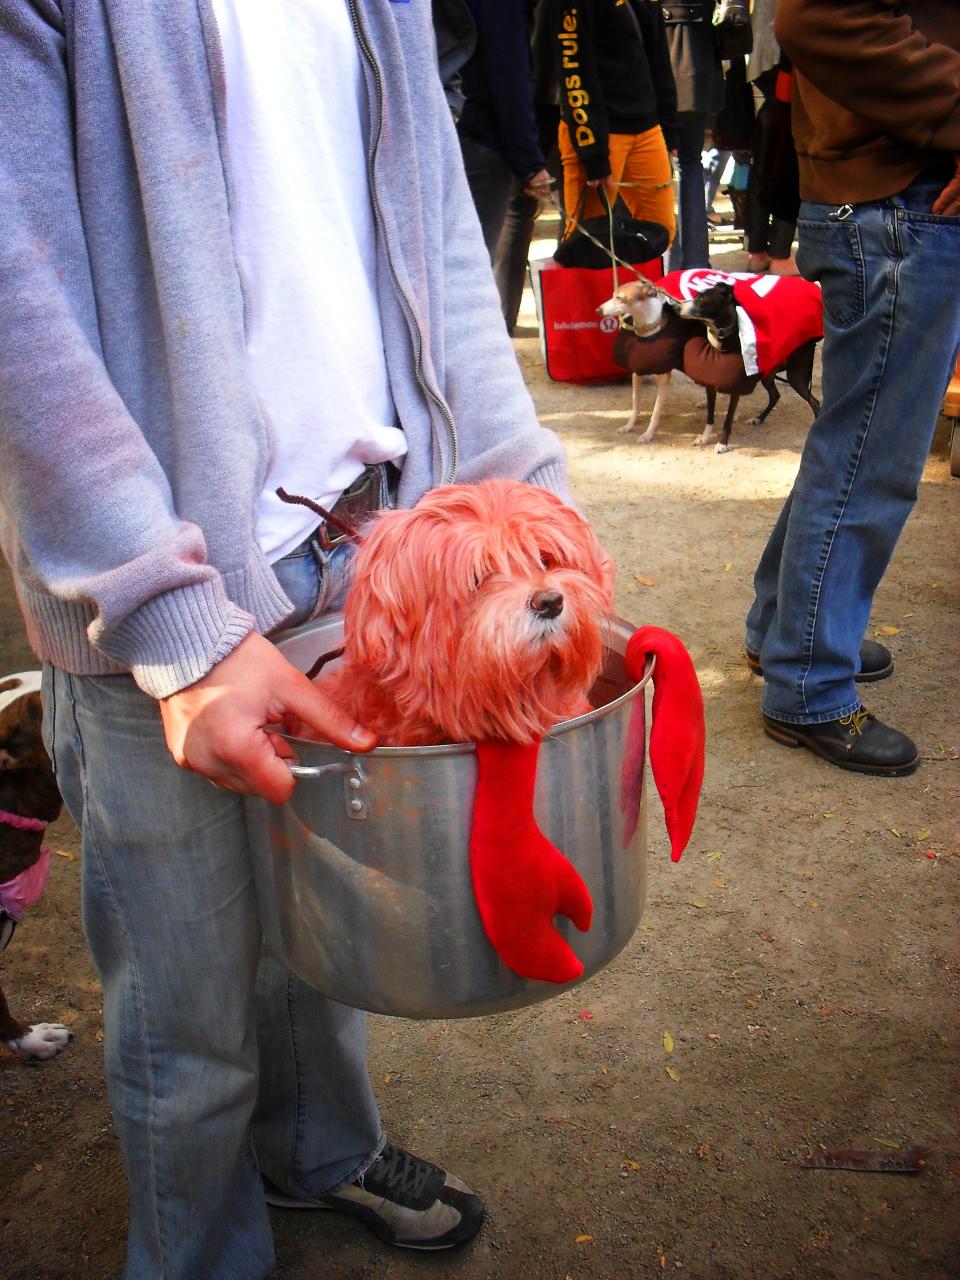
(479, 614)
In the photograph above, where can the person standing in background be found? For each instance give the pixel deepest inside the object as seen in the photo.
(497, 127)
(510, 260)
(698, 75)
(618, 105)
(876, 119)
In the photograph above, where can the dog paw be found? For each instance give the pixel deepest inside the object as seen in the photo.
(43, 1041)
(755, 422)
(723, 448)
(646, 438)
(700, 441)
(627, 426)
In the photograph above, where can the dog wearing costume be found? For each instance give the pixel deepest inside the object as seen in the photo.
(29, 801)
(480, 615)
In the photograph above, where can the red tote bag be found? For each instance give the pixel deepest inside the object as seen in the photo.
(576, 343)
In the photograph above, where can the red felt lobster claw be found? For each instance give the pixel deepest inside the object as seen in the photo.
(520, 880)
(678, 734)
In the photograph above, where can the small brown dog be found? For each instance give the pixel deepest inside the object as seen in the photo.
(29, 801)
(477, 615)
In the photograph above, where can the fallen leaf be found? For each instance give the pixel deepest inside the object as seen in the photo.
(603, 1071)
(696, 902)
(807, 874)
(713, 1035)
(895, 832)
(65, 853)
(674, 1075)
(661, 1258)
(644, 580)
(886, 1142)
(765, 935)
(720, 884)
(38, 1166)
(829, 814)
(668, 1042)
(814, 904)
(925, 834)
(632, 1165)
(931, 854)
(585, 1015)
(583, 1239)
(715, 856)
(703, 1149)
(886, 631)
(388, 1077)
(727, 568)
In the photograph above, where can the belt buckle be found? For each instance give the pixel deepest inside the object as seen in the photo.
(327, 541)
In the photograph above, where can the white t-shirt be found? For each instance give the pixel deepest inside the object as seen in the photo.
(304, 238)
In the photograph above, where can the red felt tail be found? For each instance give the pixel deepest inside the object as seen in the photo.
(678, 734)
(520, 880)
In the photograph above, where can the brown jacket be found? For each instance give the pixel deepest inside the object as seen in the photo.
(876, 97)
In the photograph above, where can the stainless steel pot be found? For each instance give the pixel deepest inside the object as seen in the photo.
(364, 875)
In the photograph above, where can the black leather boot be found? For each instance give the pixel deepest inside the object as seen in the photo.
(858, 742)
(876, 662)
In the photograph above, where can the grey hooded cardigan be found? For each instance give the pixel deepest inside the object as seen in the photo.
(132, 450)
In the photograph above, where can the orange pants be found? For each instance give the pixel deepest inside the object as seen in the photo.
(638, 161)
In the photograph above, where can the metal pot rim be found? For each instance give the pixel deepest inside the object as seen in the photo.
(469, 748)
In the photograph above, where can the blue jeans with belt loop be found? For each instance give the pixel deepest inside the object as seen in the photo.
(889, 271)
(219, 1061)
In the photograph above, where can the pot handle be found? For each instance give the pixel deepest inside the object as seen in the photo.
(355, 784)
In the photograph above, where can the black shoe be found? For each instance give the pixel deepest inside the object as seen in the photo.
(858, 742)
(405, 1201)
(876, 662)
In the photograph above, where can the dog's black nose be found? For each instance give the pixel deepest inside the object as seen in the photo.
(547, 604)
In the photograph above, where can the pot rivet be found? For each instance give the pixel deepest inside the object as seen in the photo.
(356, 805)
(353, 782)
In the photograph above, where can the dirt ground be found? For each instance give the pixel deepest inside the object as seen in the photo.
(802, 957)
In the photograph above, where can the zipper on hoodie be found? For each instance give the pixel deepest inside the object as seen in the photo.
(377, 129)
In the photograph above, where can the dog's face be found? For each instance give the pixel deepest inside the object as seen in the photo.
(482, 609)
(715, 304)
(638, 300)
(21, 744)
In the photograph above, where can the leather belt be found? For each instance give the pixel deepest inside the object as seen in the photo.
(371, 491)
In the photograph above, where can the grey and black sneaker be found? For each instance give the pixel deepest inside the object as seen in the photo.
(406, 1201)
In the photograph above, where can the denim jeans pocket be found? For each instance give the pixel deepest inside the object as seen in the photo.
(832, 253)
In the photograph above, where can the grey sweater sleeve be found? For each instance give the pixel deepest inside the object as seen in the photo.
(93, 515)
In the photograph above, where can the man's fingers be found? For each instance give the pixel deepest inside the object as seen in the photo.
(325, 718)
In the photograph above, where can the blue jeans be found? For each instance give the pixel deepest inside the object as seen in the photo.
(691, 248)
(219, 1062)
(889, 273)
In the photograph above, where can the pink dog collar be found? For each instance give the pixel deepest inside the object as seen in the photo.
(24, 824)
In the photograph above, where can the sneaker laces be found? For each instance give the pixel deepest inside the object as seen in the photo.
(855, 721)
(397, 1173)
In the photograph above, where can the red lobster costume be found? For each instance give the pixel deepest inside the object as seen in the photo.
(520, 880)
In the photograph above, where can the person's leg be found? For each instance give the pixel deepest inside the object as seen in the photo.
(647, 177)
(491, 180)
(171, 919)
(691, 247)
(885, 270)
(513, 247)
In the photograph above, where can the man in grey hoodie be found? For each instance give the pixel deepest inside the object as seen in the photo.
(237, 252)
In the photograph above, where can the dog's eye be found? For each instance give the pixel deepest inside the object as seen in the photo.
(548, 561)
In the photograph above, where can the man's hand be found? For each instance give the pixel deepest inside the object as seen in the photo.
(947, 202)
(607, 182)
(538, 185)
(218, 726)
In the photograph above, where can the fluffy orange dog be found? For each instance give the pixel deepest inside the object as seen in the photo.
(477, 615)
